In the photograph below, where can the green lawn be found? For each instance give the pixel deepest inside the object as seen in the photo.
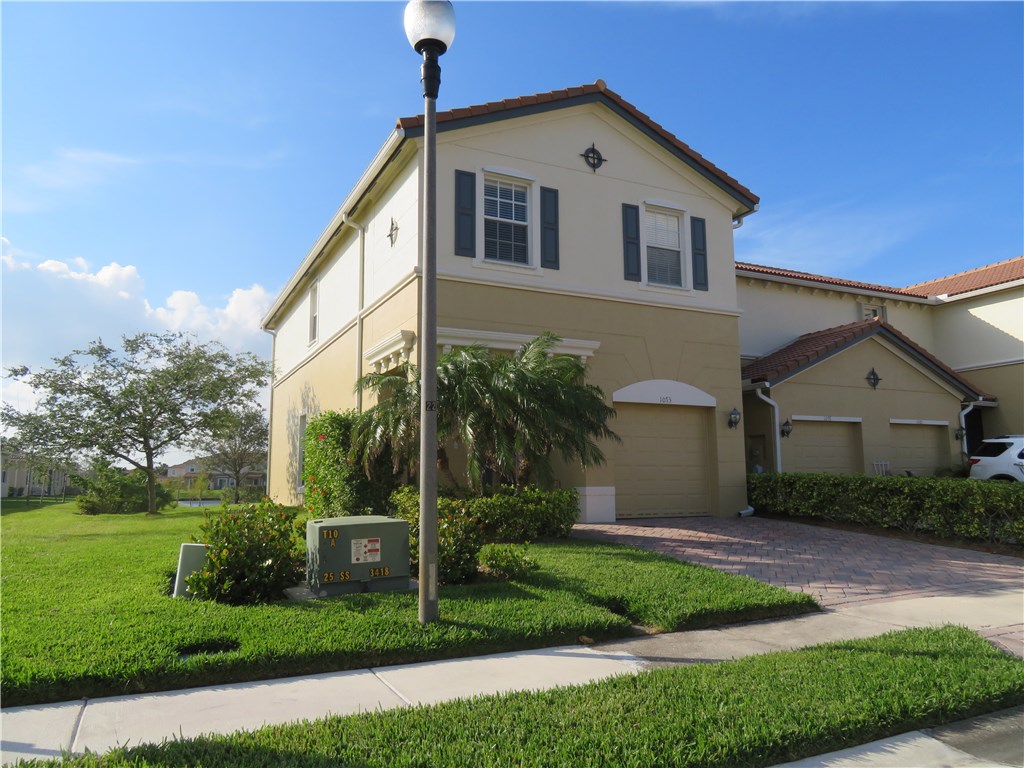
(757, 711)
(85, 611)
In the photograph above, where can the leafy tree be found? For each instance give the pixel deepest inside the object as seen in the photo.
(236, 444)
(135, 403)
(110, 490)
(511, 413)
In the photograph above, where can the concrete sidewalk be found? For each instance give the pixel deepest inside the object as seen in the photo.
(99, 724)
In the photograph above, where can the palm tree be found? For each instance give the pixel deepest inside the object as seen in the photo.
(510, 413)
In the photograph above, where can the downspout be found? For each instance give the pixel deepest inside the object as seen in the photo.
(776, 433)
(270, 421)
(346, 221)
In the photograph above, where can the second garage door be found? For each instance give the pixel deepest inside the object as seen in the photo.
(823, 446)
(661, 467)
(919, 448)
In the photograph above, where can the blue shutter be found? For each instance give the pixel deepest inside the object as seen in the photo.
(631, 242)
(549, 228)
(699, 244)
(465, 214)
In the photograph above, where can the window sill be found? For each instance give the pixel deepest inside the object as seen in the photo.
(671, 290)
(507, 266)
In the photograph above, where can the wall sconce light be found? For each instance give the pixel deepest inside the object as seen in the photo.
(734, 418)
(873, 378)
(786, 429)
(959, 434)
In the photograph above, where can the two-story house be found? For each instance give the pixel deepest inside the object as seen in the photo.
(571, 212)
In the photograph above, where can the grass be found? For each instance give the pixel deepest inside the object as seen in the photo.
(757, 711)
(85, 611)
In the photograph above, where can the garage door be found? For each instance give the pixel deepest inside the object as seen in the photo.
(661, 467)
(823, 446)
(921, 448)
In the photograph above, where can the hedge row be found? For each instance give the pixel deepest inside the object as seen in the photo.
(512, 516)
(981, 510)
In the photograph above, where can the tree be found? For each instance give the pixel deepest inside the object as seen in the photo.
(511, 413)
(236, 444)
(135, 403)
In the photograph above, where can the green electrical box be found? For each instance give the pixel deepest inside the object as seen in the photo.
(367, 553)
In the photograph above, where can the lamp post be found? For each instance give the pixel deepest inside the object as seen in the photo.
(430, 27)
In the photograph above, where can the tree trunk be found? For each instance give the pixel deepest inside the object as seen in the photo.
(151, 483)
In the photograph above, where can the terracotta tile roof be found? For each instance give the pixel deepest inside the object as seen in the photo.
(588, 91)
(836, 281)
(973, 279)
(814, 347)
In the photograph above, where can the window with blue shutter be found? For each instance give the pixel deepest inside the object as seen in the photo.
(631, 242)
(549, 228)
(465, 214)
(699, 244)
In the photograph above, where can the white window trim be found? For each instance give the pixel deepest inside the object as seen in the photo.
(685, 265)
(532, 219)
(313, 301)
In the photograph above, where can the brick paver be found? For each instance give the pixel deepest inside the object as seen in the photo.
(839, 568)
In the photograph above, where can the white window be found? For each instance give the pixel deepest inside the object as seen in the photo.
(174, 472)
(663, 234)
(314, 308)
(192, 468)
(506, 221)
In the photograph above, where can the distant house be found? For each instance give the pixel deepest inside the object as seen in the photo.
(19, 478)
(574, 212)
(186, 475)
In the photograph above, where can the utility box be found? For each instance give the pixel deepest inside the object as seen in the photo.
(367, 553)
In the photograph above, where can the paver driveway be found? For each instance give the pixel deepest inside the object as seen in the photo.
(838, 568)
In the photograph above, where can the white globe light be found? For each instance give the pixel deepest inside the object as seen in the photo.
(429, 20)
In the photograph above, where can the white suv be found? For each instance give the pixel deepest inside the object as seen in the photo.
(999, 458)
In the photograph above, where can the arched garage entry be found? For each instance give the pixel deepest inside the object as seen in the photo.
(663, 466)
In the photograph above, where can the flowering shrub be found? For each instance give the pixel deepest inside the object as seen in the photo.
(335, 487)
(253, 554)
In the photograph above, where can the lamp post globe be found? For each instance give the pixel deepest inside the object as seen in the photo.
(430, 27)
(430, 22)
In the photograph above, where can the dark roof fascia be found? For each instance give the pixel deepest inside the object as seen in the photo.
(910, 349)
(589, 98)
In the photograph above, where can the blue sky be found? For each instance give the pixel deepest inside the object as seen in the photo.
(167, 165)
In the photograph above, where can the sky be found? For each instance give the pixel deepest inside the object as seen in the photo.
(168, 165)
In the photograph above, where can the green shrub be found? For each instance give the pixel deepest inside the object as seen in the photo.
(114, 491)
(459, 536)
(505, 561)
(948, 507)
(527, 514)
(335, 487)
(253, 554)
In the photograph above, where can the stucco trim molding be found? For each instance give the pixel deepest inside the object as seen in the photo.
(664, 392)
(922, 422)
(462, 337)
(845, 419)
(391, 352)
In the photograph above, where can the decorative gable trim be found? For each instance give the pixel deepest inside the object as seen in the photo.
(391, 352)
(664, 392)
(449, 338)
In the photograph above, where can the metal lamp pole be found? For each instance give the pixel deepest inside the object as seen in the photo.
(430, 27)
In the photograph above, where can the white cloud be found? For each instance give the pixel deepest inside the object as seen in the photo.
(83, 304)
(10, 260)
(236, 325)
(124, 281)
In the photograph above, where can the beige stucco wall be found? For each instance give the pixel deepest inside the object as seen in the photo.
(982, 330)
(836, 389)
(638, 343)
(325, 380)
(775, 313)
(545, 149)
(1007, 383)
